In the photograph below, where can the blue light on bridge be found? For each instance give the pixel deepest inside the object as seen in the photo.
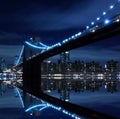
(20, 96)
(43, 108)
(98, 18)
(73, 37)
(87, 27)
(64, 111)
(59, 44)
(92, 23)
(20, 56)
(43, 45)
(34, 46)
(36, 106)
(112, 6)
(79, 33)
(107, 21)
(104, 13)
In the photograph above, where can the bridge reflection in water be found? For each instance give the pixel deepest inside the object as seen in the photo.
(101, 96)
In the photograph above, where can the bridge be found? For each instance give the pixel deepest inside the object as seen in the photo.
(34, 53)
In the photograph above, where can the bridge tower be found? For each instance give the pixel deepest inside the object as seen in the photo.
(31, 70)
(65, 69)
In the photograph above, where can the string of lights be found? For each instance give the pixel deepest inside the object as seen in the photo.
(92, 27)
(44, 106)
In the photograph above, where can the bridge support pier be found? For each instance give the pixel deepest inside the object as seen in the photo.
(31, 79)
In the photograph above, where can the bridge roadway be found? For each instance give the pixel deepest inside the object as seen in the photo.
(103, 33)
(89, 37)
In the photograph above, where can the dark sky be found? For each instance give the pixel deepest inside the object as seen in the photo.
(51, 20)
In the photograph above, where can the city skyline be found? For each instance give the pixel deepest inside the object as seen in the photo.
(101, 51)
(33, 32)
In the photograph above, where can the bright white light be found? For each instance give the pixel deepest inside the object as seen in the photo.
(64, 41)
(79, 33)
(107, 21)
(66, 52)
(59, 44)
(76, 35)
(98, 18)
(117, 20)
(73, 37)
(87, 27)
(92, 23)
(31, 38)
(111, 7)
(104, 13)
(20, 97)
(93, 30)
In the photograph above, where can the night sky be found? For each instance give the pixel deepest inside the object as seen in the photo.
(51, 20)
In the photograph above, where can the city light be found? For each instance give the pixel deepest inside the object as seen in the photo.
(118, 20)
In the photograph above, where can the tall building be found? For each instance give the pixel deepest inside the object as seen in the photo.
(2, 64)
(111, 66)
(65, 62)
(66, 70)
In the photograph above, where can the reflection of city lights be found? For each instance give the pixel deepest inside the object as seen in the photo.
(118, 76)
(100, 76)
(105, 86)
(75, 76)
